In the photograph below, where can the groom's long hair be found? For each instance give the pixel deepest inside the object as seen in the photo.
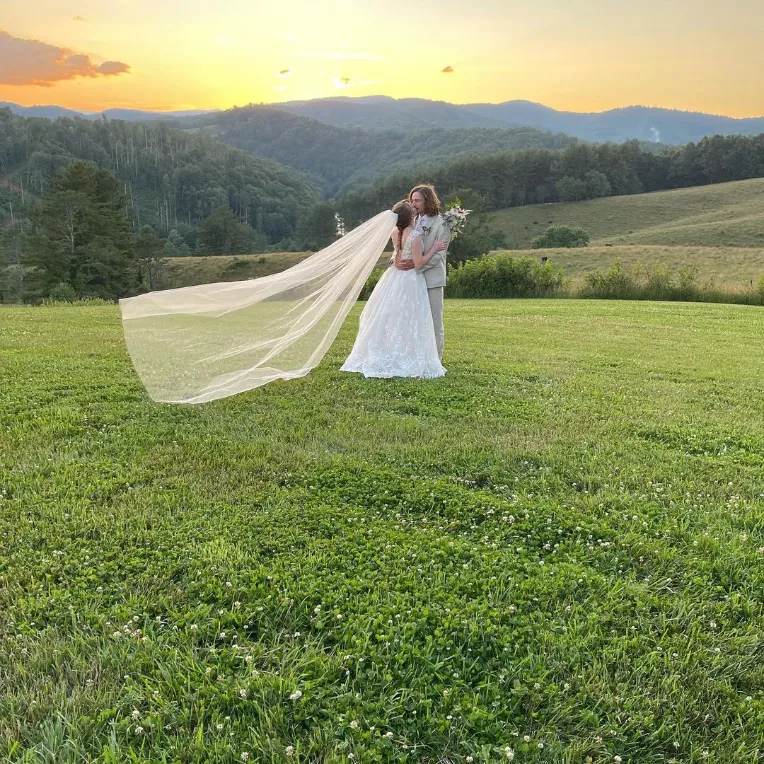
(430, 196)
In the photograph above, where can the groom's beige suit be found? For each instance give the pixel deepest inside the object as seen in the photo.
(435, 229)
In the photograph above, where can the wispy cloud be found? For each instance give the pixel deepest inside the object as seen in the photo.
(447, 70)
(78, 18)
(284, 74)
(31, 62)
(345, 56)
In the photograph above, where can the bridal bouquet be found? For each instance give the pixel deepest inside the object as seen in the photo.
(456, 218)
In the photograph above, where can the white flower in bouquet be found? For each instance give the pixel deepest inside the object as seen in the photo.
(456, 218)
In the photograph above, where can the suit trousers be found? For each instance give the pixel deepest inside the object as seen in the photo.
(435, 295)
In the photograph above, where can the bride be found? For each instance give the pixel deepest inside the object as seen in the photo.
(211, 341)
(396, 337)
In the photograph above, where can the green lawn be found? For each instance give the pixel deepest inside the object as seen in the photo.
(557, 549)
(721, 215)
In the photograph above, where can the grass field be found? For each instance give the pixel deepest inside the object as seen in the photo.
(189, 271)
(553, 554)
(721, 215)
(733, 268)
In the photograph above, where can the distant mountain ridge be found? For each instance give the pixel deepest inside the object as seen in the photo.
(643, 123)
(658, 125)
(129, 115)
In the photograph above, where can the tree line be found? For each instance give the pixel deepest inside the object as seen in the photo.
(578, 172)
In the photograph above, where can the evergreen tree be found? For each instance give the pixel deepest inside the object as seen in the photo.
(318, 229)
(222, 234)
(176, 246)
(81, 236)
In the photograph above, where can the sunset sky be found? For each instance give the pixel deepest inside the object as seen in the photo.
(581, 55)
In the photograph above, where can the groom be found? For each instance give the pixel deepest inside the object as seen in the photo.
(429, 221)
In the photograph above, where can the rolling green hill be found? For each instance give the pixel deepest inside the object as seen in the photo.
(720, 215)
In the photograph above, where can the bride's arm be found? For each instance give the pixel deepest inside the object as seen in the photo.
(420, 260)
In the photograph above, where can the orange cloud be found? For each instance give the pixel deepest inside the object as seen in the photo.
(78, 18)
(31, 62)
(447, 70)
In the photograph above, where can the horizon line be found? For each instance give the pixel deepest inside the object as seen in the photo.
(91, 112)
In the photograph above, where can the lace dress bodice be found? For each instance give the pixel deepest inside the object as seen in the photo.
(406, 253)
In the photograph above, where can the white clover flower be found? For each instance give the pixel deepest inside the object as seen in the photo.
(242, 693)
(527, 738)
(289, 751)
(617, 759)
(296, 695)
(509, 753)
(354, 725)
(244, 756)
(389, 735)
(139, 730)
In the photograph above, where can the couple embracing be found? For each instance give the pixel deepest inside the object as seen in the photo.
(209, 341)
(401, 328)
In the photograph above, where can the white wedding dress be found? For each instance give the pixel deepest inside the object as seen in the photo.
(396, 337)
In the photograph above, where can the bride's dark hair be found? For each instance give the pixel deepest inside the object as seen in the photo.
(405, 213)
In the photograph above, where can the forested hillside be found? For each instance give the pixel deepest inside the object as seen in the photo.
(170, 177)
(340, 159)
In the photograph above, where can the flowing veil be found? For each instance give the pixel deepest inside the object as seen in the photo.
(210, 341)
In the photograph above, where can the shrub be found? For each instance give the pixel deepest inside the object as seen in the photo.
(613, 284)
(371, 282)
(561, 236)
(62, 292)
(503, 275)
(659, 283)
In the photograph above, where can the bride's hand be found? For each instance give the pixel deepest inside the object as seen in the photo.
(439, 246)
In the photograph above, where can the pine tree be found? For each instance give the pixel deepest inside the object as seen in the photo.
(81, 237)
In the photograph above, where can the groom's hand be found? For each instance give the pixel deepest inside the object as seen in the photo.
(404, 265)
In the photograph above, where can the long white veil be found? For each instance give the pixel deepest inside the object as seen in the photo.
(210, 341)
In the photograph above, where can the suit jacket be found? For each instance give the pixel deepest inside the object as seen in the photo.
(435, 271)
